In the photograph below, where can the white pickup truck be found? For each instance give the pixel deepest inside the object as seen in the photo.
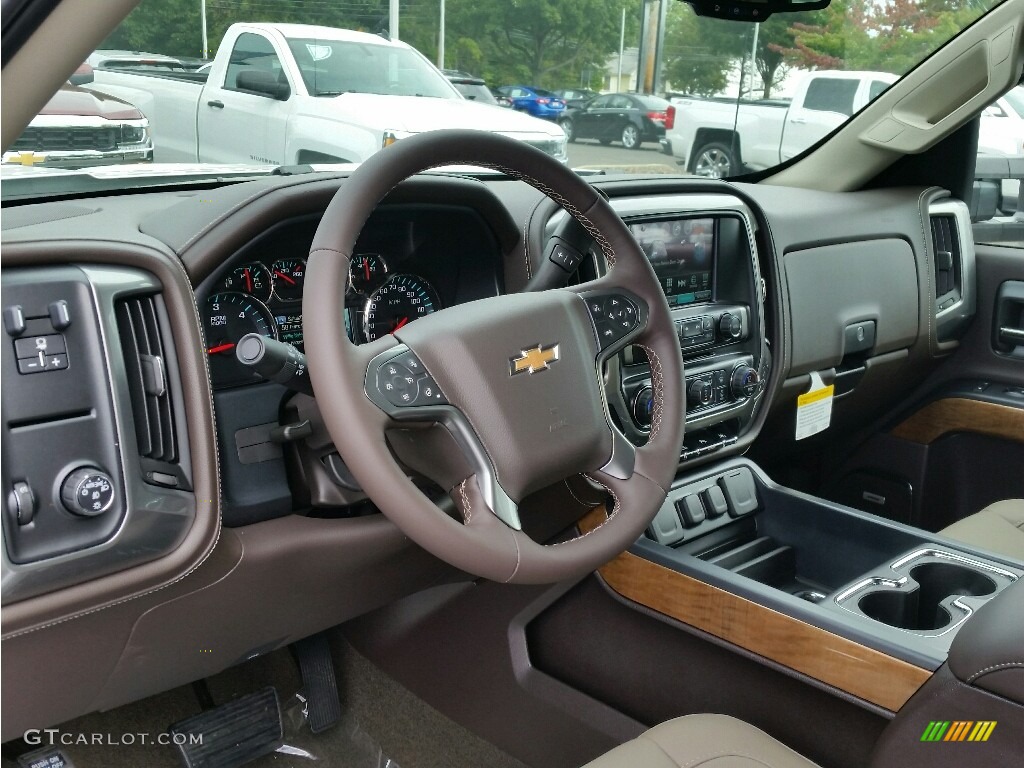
(715, 138)
(284, 94)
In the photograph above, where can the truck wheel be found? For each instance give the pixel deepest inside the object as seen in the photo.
(714, 161)
(630, 137)
(570, 131)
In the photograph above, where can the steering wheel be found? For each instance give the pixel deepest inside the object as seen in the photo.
(514, 381)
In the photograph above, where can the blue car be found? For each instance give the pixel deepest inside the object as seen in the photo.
(536, 101)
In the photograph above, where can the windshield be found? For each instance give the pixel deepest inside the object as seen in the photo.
(1015, 99)
(319, 82)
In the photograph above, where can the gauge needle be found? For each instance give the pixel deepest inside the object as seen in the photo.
(400, 323)
(220, 348)
(248, 281)
(283, 276)
(366, 269)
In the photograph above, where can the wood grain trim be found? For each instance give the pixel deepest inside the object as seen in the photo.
(837, 661)
(957, 414)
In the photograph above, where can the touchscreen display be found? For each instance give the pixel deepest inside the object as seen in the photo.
(681, 252)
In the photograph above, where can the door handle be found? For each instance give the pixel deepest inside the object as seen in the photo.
(798, 120)
(1013, 335)
(215, 103)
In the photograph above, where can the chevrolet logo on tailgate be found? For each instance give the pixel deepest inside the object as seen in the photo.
(534, 360)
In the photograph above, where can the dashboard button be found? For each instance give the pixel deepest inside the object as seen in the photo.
(691, 510)
(33, 345)
(714, 501)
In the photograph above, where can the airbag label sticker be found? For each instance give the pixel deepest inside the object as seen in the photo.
(814, 408)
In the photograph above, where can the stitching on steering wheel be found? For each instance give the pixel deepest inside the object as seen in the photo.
(658, 382)
(467, 508)
(615, 509)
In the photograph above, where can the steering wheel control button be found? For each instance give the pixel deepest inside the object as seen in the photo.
(614, 316)
(564, 255)
(404, 382)
(691, 510)
(740, 492)
(87, 492)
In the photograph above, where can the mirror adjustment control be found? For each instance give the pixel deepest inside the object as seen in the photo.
(87, 492)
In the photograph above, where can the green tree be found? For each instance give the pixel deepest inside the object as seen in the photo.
(692, 65)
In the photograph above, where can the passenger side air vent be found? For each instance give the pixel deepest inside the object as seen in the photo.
(146, 365)
(948, 260)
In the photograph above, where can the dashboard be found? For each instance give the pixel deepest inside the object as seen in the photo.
(410, 261)
(215, 485)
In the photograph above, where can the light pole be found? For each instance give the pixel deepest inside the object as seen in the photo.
(622, 42)
(440, 41)
(206, 42)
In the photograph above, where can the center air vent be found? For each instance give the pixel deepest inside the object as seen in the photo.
(948, 260)
(146, 363)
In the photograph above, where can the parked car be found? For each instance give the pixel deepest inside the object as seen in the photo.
(535, 101)
(471, 87)
(715, 138)
(575, 98)
(629, 118)
(79, 128)
(322, 95)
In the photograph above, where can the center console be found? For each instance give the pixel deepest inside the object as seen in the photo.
(705, 259)
(897, 589)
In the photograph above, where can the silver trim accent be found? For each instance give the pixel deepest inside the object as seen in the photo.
(948, 320)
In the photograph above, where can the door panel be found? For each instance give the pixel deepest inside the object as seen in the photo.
(960, 447)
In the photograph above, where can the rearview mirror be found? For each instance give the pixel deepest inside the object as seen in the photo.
(753, 10)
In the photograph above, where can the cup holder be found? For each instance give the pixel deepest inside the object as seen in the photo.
(919, 606)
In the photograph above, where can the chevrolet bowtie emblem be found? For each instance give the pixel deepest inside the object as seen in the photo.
(533, 360)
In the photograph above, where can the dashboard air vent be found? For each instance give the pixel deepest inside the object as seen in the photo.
(145, 363)
(948, 260)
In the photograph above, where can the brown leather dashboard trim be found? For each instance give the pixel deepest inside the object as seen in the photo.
(860, 671)
(957, 414)
(66, 604)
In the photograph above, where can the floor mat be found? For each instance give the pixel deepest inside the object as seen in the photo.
(383, 725)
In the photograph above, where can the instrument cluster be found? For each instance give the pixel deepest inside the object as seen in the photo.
(266, 298)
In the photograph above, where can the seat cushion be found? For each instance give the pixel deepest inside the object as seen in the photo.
(702, 741)
(998, 528)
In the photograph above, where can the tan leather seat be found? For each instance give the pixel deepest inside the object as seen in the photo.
(702, 741)
(998, 528)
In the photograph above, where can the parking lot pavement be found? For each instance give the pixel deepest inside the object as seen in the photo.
(614, 158)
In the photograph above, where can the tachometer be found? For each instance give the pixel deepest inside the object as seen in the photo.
(402, 299)
(289, 276)
(229, 317)
(253, 279)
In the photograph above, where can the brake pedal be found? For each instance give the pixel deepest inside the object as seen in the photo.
(232, 734)
(317, 668)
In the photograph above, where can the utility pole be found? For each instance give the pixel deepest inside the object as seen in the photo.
(393, 20)
(622, 43)
(753, 58)
(652, 13)
(206, 42)
(440, 41)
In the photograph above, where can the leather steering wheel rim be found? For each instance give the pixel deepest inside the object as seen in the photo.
(343, 375)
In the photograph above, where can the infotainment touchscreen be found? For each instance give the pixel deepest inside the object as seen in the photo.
(682, 254)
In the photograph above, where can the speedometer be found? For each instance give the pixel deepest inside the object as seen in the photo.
(398, 302)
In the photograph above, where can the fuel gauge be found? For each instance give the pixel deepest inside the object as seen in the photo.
(253, 279)
(367, 271)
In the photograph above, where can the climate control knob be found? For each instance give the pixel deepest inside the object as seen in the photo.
(730, 326)
(87, 492)
(744, 381)
(700, 393)
(643, 407)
